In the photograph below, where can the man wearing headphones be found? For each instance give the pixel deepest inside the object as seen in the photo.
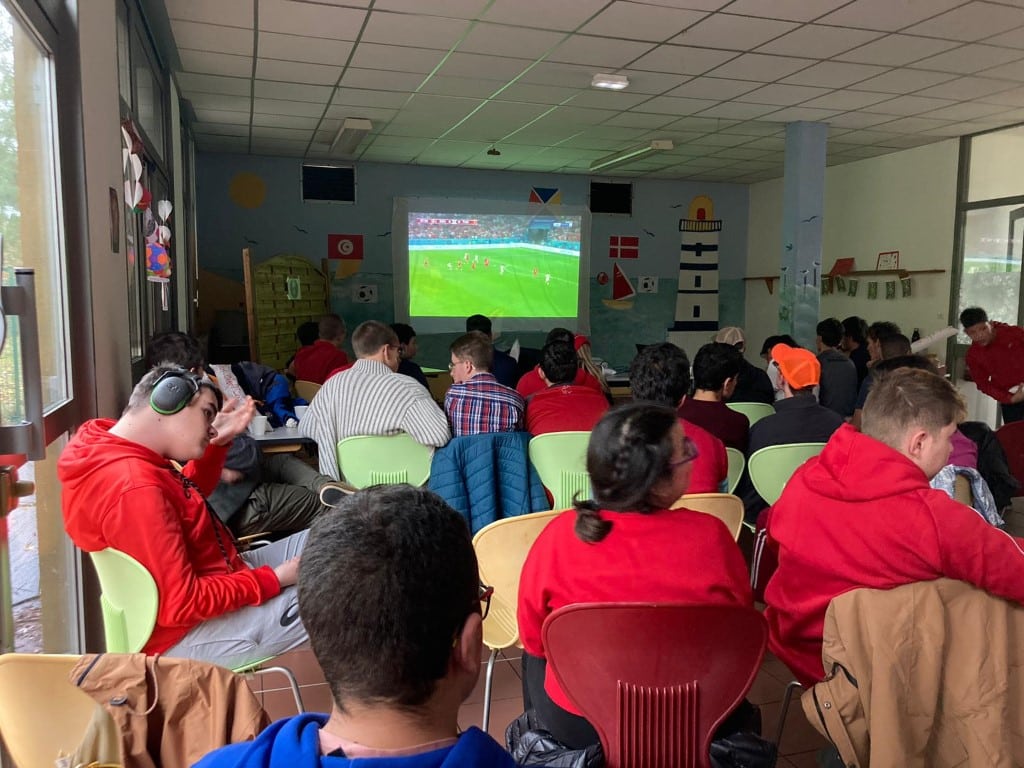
(121, 491)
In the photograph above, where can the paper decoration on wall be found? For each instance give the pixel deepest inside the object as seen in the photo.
(851, 287)
(840, 284)
(293, 288)
(136, 198)
(623, 247)
(348, 249)
(888, 260)
(697, 289)
(602, 278)
(647, 284)
(548, 195)
(622, 290)
(826, 285)
(890, 289)
(873, 290)
(905, 286)
(247, 190)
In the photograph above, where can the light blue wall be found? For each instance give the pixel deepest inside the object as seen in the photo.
(284, 224)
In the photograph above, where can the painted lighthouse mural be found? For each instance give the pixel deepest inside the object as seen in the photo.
(697, 292)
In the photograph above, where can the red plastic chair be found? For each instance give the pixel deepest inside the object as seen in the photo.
(655, 680)
(1011, 438)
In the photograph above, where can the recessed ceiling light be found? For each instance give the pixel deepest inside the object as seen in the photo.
(610, 82)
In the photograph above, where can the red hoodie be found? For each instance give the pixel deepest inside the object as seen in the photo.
(999, 365)
(862, 515)
(120, 494)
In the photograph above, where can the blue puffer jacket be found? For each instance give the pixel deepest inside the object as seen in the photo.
(488, 477)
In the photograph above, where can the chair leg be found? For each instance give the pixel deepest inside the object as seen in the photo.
(292, 683)
(793, 685)
(487, 689)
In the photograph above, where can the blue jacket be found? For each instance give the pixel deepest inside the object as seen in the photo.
(488, 477)
(295, 743)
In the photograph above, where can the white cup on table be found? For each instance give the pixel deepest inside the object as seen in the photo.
(258, 425)
(300, 411)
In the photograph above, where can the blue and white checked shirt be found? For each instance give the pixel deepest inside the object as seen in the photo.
(481, 405)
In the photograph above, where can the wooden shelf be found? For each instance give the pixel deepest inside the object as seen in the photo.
(769, 280)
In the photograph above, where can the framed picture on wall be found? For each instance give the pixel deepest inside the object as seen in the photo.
(888, 260)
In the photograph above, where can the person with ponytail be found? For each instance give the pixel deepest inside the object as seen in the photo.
(624, 545)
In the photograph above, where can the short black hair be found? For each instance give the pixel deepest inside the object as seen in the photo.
(888, 364)
(660, 373)
(714, 363)
(856, 328)
(771, 341)
(561, 334)
(386, 581)
(404, 332)
(894, 345)
(831, 332)
(176, 348)
(559, 363)
(308, 332)
(480, 323)
(879, 329)
(973, 316)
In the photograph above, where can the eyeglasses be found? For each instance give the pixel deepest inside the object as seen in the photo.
(485, 595)
(690, 453)
(451, 365)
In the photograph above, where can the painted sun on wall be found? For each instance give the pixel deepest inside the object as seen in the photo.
(697, 293)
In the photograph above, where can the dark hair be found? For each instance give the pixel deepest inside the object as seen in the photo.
(831, 332)
(559, 363)
(882, 328)
(888, 364)
(771, 341)
(142, 392)
(330, 327)
(175, 347)
(370, 336)
(894, 345)
(404, 331)
(386, 580)
(560, 334)
(629, 452)
(856, 328)
(660, 373)
(973, 316)
(480, 323)
(475, 347)
(308, 332)
(714, 363)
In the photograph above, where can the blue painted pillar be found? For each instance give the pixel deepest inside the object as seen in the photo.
(802, 213)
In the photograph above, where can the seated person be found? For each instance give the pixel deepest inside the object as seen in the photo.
(476, 403)
(306, 334)
(660, 373)
(715, 371)
(257, 492)
(407, 351)
(370, 398)
(563, 406)
(753, 384)
(531, 382)
(861, 514)
(855, 345)
(121, 491)
(582, 345)
(766, 355)
(504, 367)
(887, 346)
(838, 389)
(315, 362)
(625, 545)
(403, 656)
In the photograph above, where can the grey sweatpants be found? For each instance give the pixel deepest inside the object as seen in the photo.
(255, 632)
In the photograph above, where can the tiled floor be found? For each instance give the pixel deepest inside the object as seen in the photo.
(800, 742)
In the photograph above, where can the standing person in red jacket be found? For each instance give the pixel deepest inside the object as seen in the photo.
(122, 491)
(625, 545)
(861, 514)
(996, 360)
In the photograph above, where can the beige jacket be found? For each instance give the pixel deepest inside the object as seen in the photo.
(926, 674)
(164, 712)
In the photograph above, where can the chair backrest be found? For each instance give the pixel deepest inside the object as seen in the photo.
(561, 461)
(501, 550)
(306, 389)
(655, 680)
(753, 411)
(770, 468)
(724, 506)
(42, 713)
(129, 600)
(1011, 438)
(737, 461)
(384, 460)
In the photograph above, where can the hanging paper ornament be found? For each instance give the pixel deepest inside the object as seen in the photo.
(144, 200)
(158, 262)
(163, 210)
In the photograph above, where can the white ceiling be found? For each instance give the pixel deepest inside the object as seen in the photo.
(444, 80)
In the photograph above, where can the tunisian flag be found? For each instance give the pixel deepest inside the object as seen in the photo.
(345, 247)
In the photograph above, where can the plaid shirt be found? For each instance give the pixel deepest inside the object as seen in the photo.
(481, 405)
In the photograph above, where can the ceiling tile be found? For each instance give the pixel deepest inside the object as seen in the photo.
(532, 92)
(959, 129)
(703, 124)
(552, 73)
(867, 137)
(847, 100)
(965, 111)
(912, 124)
(973, 21)
(230, 13)
(583, 141)
(682, 60)
(597, 99)
(640, 21)
(615, 132)
(267, 89)
(903, 81)
(669, 105)
(857, 120)
(212, 37)
(736, 111)
(244, 103)
(563, 16)
(737, 33)
(782, 95)
(757, 66)
(1011, 39)
(462, 86)
(579, 118)
(908, 105)
(796, 114)
(501, 40)
(969, 59)
(209, 63)
(364, 98)
(267, 132)
(313, 50)
(457, 9)
(886, 15)
(641, 120)
(834, 74)
(415, 31)
(652, 82)
(753, 128)
(378, 115)
(598, 51)
(1011, 98)
(297, 72)
(285, 121)
(221, 129)
(230, 86)
(222, 116)
(740, 153)
(767, 143)
(716, 88)
(484, 67)
(818, 41)
(1014, 71)
(283, 107)
(964, 88)
(897, 50)
(380, 79)
(794, 10)
(396, 57)
(310, 20)
(719, 140)
(447, 106)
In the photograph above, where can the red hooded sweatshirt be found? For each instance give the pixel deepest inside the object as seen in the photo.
(120, 494)
(862, 515)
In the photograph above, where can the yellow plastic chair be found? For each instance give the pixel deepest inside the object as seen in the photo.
(770, 468)
(306, 389)
(367, 460)
(736, 464)
(560, 459)
(724, 506)
(129, 603)
(501, 550)
(41, 712)
(753, 411)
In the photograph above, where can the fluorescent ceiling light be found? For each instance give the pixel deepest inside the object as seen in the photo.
(610, 82)
(351, 134)
(627, 155)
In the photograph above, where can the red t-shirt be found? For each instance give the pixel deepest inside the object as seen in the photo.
(712, 464)
(531, 382)
(315, 362)
(564, 408)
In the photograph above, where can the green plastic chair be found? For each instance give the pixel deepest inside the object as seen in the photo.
(560, 459)
(753, 411)
(770, 468)
(736, 464)
(129, 602)
(367, 460)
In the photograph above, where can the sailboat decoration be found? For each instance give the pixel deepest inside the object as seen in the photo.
(622, 290)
